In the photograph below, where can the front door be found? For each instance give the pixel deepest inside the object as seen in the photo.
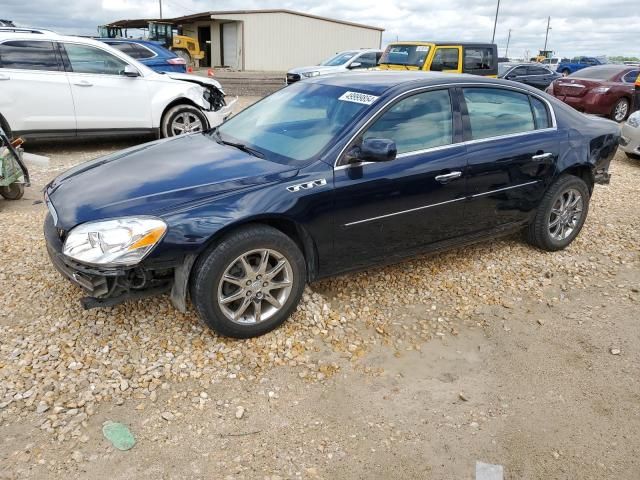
(104, 97)
(388, 209)
(34, 90)
(512, 146)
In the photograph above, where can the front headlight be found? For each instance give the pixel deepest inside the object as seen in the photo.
(634, 119)
(601, 90)
(121, 241)
(311, 74)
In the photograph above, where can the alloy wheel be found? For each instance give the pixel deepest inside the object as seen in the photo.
(566, 214)
(186, 122)
(621, 110)
(255, 286)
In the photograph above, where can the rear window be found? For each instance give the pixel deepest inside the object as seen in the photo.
(597, 73)
(29, 55)
(140, 52)
(478, 58)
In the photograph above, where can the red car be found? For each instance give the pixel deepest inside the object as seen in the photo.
(602, 90)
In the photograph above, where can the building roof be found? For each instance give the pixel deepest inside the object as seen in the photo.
(142, 22)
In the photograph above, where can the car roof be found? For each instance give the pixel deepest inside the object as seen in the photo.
(47, 35)
(443, 42)
(377, 82)
(131, 40)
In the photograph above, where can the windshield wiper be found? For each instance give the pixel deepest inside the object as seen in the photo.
(239, 146)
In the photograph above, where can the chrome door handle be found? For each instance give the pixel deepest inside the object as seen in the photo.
(83, 83)
(4, 77)
(447, 177)
(542, 156)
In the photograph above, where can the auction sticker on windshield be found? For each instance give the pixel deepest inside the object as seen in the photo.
(357, 97)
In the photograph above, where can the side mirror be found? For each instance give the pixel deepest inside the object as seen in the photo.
(355, 65)
(374, 150)
(131, 71)
(511, 76)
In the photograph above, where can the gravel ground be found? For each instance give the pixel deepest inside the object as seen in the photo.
(496, 352)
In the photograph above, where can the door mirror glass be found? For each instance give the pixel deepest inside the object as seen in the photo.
(131, 71)
(376, 150)
(355, 65)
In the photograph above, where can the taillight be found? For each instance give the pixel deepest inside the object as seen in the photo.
(176, 61)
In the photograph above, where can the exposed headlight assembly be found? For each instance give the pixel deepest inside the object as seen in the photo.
(311, 74)
(634, 119)
(116, 242)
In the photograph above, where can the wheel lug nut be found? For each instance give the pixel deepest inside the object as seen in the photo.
(265, 284)
(248, 294)
(248, 282)
(259, 277)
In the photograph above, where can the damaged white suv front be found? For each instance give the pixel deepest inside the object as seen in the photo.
(73, 86)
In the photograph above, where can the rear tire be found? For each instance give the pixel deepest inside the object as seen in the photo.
(620, 110)
(249, 283)
(181, 119)
(561, 214)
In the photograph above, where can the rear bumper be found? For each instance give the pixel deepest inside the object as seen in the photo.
(599, 104)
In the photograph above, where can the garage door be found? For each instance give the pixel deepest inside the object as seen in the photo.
(230, 45)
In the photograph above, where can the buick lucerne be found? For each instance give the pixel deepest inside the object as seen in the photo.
(329, 175)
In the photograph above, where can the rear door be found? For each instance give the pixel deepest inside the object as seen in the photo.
(104, 97)
(34, 90)
(512, 146)
(387, 209)
(538, 76)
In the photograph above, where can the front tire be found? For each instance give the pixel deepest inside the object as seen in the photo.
(620, 110)
(250, 283)
(182, 119)
(561, 214)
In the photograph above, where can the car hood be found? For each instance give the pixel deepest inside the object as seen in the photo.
(156, 178)
(192, 78)
(324, 70)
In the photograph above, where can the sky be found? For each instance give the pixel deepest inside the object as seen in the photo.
(588, 27)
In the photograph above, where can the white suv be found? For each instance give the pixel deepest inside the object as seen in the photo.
(341, 62)
(52, 85)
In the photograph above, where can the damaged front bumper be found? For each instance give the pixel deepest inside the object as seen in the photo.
(216, 117)
(108, 286)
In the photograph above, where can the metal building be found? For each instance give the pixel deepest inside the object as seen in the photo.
(270, 40)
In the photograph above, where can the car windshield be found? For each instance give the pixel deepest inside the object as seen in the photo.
(297, 122)
(597, 73)
(339, 59)
(503, 68)
(409, 55)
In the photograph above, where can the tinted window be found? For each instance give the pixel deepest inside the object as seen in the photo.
(597, 73)
(540, 113)
(86, 59)
(631, 76)
(494, 112)
(533, 70)
(445, 59)
(141, 52)
(25, 55)
(368, 60)
(478, 58)
(519, 71)
(417, 122)
(123, 47)
(339, 59)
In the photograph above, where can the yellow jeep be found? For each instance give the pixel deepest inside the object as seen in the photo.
(450, 57)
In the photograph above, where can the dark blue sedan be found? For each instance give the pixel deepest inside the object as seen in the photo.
(152, 54)
(329, 175)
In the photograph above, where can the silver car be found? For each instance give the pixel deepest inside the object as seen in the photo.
(340, 62)
(630, 140)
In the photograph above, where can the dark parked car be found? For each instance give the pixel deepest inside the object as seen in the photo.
(602, 90)
(151, 54)
(332, 174)
(532, 74)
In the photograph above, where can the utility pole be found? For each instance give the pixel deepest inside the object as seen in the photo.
(160, 2)
(506, 53)
(546, 37)
(495, 23)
